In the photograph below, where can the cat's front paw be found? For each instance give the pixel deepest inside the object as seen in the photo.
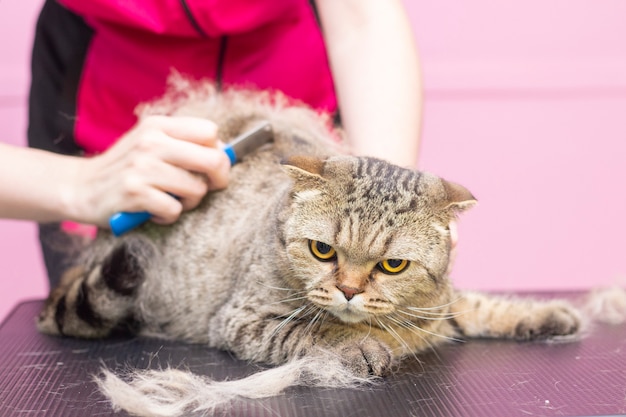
(555, 318)
(368, 357)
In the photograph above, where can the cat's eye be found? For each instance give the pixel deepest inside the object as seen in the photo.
(322, 251)
(393, 266)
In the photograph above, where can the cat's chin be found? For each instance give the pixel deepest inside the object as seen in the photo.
(349, 316)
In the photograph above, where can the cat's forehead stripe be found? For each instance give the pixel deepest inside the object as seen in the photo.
(375, 177)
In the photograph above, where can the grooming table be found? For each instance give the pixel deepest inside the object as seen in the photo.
(51, 376)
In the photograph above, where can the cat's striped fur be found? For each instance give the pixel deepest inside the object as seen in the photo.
(300, 259)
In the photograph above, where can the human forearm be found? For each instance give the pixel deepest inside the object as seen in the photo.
(36, 185)
(377, 76)
(159, 157)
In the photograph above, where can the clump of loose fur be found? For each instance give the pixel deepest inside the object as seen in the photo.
(607, 305)
(171, 392)
(235, 108)
(333, 268)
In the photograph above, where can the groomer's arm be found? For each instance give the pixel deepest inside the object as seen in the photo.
(160, 155)
(376, 69)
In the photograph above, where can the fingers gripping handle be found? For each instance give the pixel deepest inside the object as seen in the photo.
(247, 142)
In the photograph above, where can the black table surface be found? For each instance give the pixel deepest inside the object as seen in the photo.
(51, 376)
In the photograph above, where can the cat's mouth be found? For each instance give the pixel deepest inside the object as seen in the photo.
(347, 312)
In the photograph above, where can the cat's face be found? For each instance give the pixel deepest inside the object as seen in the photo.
(367, 239)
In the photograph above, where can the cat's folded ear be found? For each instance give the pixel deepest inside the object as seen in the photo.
(458, 198)
(306, 171)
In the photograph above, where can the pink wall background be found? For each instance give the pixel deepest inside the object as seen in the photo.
(524, 105)
(22, 273)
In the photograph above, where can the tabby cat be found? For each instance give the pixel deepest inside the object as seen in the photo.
(309, 253)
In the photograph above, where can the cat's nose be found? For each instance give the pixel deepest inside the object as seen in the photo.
(349, 292)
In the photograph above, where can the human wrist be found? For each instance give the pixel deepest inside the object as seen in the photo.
(73, 194)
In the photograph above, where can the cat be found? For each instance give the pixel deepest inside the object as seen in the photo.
(310, 256)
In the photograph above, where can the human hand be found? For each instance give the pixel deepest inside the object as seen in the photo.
(160, 155)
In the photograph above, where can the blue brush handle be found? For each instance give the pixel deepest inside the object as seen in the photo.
(124, 221)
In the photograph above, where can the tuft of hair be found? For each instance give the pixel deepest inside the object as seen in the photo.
(606, 305)
(235, 106)
(172, 392)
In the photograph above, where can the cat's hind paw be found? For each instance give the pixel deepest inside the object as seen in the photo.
(553, 319)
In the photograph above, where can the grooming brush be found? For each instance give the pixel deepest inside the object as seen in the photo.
(242, 145)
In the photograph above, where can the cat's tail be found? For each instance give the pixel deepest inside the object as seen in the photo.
(173, 392)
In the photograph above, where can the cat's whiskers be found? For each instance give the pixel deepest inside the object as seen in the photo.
(439, 312)
(310, 310)
(298, 313)
(369, 330)
(437, 316)
(423, 338)
(426, 312)
(292, 315)
(305, 309)
(295, 297)
(396, 336)
(320, 312)
(412, 327)
(439, 307)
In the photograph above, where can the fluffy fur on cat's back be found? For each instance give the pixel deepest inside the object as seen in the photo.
(309, 257)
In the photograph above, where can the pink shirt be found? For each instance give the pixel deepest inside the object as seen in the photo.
(271, 44)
